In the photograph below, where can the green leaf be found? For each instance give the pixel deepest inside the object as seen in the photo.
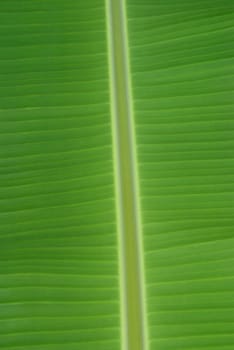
(116, 180)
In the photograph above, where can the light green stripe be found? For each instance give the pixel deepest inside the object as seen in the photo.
(130, 240)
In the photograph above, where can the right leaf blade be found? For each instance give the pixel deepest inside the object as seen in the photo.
(182, 74)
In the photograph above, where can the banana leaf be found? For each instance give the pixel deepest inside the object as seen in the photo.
(74, 182)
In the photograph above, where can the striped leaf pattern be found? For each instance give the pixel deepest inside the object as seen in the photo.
(60, 280)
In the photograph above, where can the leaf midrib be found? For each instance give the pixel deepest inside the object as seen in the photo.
(127, 192)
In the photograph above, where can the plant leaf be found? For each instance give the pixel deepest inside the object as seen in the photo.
(60, 281)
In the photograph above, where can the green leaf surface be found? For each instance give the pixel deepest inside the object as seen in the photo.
(59, 284)
(182, 68)
(116, 238)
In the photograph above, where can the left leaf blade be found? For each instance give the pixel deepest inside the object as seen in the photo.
(59, 264)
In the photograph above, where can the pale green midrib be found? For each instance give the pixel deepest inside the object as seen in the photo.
(127, 193)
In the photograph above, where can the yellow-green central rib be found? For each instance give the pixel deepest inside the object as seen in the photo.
(130, 241)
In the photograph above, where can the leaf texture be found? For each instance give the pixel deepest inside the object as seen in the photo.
(59, 251)
(182, 72)
(59, 265)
